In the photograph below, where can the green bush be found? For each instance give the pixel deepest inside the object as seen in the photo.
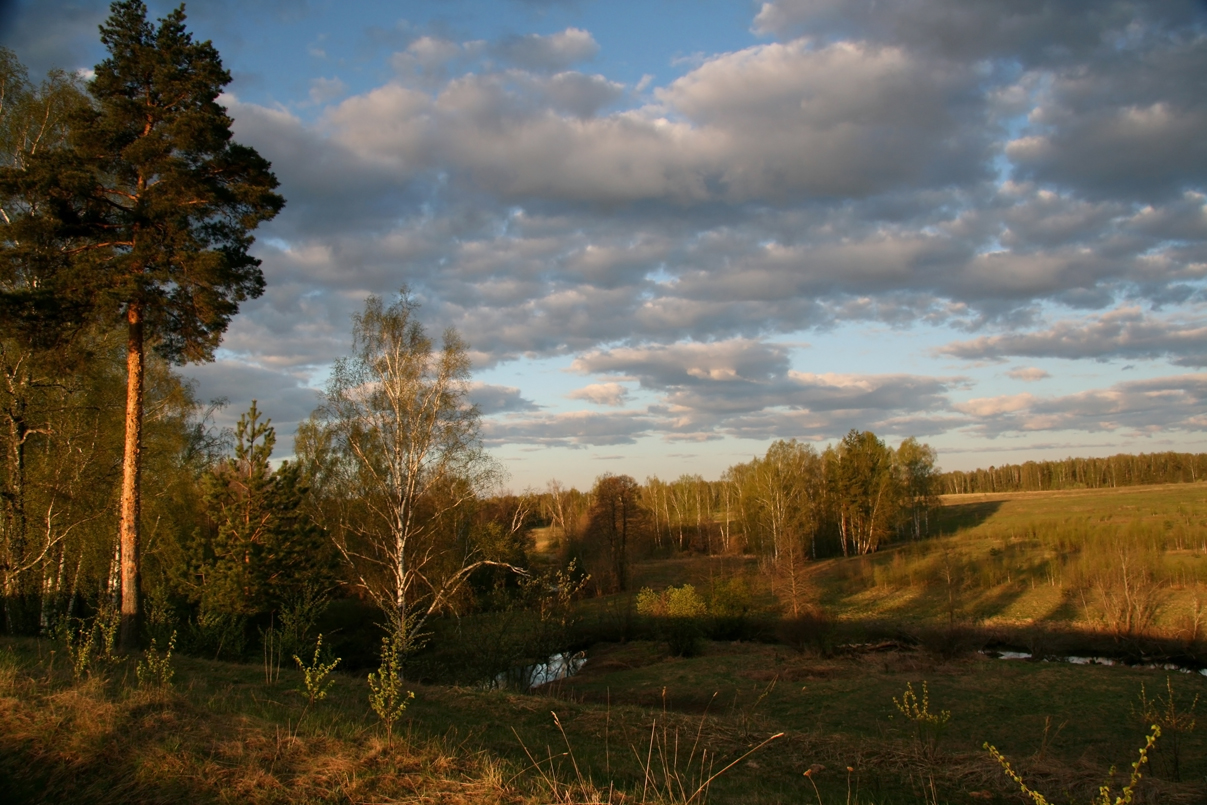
(679, 613)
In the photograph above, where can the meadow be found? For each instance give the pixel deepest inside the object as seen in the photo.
(1110, 573)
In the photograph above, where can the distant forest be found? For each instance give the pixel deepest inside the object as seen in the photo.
(1080, 473)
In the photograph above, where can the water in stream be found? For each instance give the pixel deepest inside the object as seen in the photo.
(527, 677)
(1079, 660)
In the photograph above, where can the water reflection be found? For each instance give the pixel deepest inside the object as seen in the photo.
(527, 677)
(1080, 660)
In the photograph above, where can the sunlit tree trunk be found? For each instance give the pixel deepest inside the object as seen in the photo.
(131, 500)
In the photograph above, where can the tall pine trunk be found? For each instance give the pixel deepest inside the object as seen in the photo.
(131, 502)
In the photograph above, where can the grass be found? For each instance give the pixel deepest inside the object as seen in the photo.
(1039, 557)
(636, 726)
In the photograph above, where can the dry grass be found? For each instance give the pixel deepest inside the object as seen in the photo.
(101, 741)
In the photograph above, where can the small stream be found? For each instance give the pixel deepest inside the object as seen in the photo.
(527, 677)
(1080, 660)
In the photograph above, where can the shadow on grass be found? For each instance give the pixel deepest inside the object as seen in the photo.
(957, 517)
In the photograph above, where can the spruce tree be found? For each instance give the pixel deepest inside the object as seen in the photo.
(259, 549)
(170, 204)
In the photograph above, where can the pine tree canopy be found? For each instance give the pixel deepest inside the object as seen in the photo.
(172, 199)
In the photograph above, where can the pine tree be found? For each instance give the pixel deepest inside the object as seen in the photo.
(170, 204)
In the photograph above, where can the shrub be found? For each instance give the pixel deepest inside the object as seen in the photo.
(678, 612)
(1174, 721)
(316, 676)
(154, 670)
(928, 727)
(1126, 795)
(385, 687)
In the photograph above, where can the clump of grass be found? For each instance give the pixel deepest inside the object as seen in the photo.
(928, 727)
(666, 775)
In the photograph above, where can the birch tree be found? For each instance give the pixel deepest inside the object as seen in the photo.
(401, 444)
(865, 489)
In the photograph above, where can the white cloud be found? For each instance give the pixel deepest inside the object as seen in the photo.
(1028, 374)
(611, 394)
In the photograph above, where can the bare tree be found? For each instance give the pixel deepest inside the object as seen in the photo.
(400, 440)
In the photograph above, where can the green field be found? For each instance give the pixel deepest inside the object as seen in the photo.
(1039, 557)
(640, 725)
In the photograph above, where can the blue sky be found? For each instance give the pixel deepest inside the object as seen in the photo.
(674, 231)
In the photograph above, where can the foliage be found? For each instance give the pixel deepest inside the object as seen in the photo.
(918, 484)
(161, 203)
(865, 490)
(616, 524)
(1080, 473)
(386, 685)
(46, 378)
(260, 547)
(316, 676)
(155, 670)
(679, 613)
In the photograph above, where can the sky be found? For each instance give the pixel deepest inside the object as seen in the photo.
(673, 231)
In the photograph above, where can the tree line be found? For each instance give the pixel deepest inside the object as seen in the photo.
(788, 507)
(1079, 473)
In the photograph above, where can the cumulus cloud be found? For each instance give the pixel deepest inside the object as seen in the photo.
(280, 396)
(1044, 32)
(611, 394)
(743, 387)
(1032, 175)
(575, 429)
(660, 367)
(552, 53)
(773, 122)
(1028, 374)
(323, 90)
(1145, 407)
(492, 399)
(780, 187)
(1122, 333)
